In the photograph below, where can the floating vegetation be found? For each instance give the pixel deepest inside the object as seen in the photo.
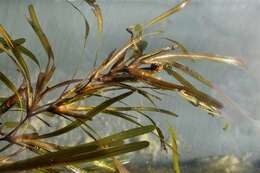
(129, 70)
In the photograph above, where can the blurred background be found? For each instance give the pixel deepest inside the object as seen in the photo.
(215, 26)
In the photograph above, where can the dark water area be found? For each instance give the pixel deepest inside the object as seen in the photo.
(214, 164)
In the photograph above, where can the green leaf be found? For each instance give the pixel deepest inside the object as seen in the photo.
(123, 116)
(43, 77)
(144, 109)
(2, 100)
(18, 41)
(101, 165)
(193, 74)
(76, 169)
(88, 116)
(118, 137)
(85, 21)
(11, 124)
(166, 14)
(67, 157)
(34, 22)
(126, 109)
(144, 93)
(22, 64)
(175, 156)
(178, 45)
(84, 152)
(203, 104)
(9, 85)
(97, 12)
(178, 77)
(29, 54)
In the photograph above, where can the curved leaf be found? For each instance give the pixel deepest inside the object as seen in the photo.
(178, 45)
(23, 66)
(166, 14)
(85, 21)
(9, 84)
(34, 22)
(18, 41)
(97, 12)
(29, 54)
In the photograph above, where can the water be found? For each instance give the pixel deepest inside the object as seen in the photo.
(215, 26)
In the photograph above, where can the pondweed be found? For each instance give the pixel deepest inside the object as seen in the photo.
(128, 70)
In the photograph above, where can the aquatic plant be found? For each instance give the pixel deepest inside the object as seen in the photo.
(128, 70)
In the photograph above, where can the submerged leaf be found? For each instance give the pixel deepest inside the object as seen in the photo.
(16, 52)
(116, 56)
(175, 156)
(84, 152)
(102, 164)
(10, 85)
(38, 30)
(120, 167)
(19, 62)
(29, 54)
(166, 14)
(124, 116)
(11, 124)
(171, 58)
(126, 109)
(212, 110)
(2, 100)
(18, 42)
(62, 157)
(193, 74)
(85, 21)
(76, 169)
(13, 100)
(178, 45)
(93, 112)
(6, 37)
(97, 12)
(178, 77)
(161, 84)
